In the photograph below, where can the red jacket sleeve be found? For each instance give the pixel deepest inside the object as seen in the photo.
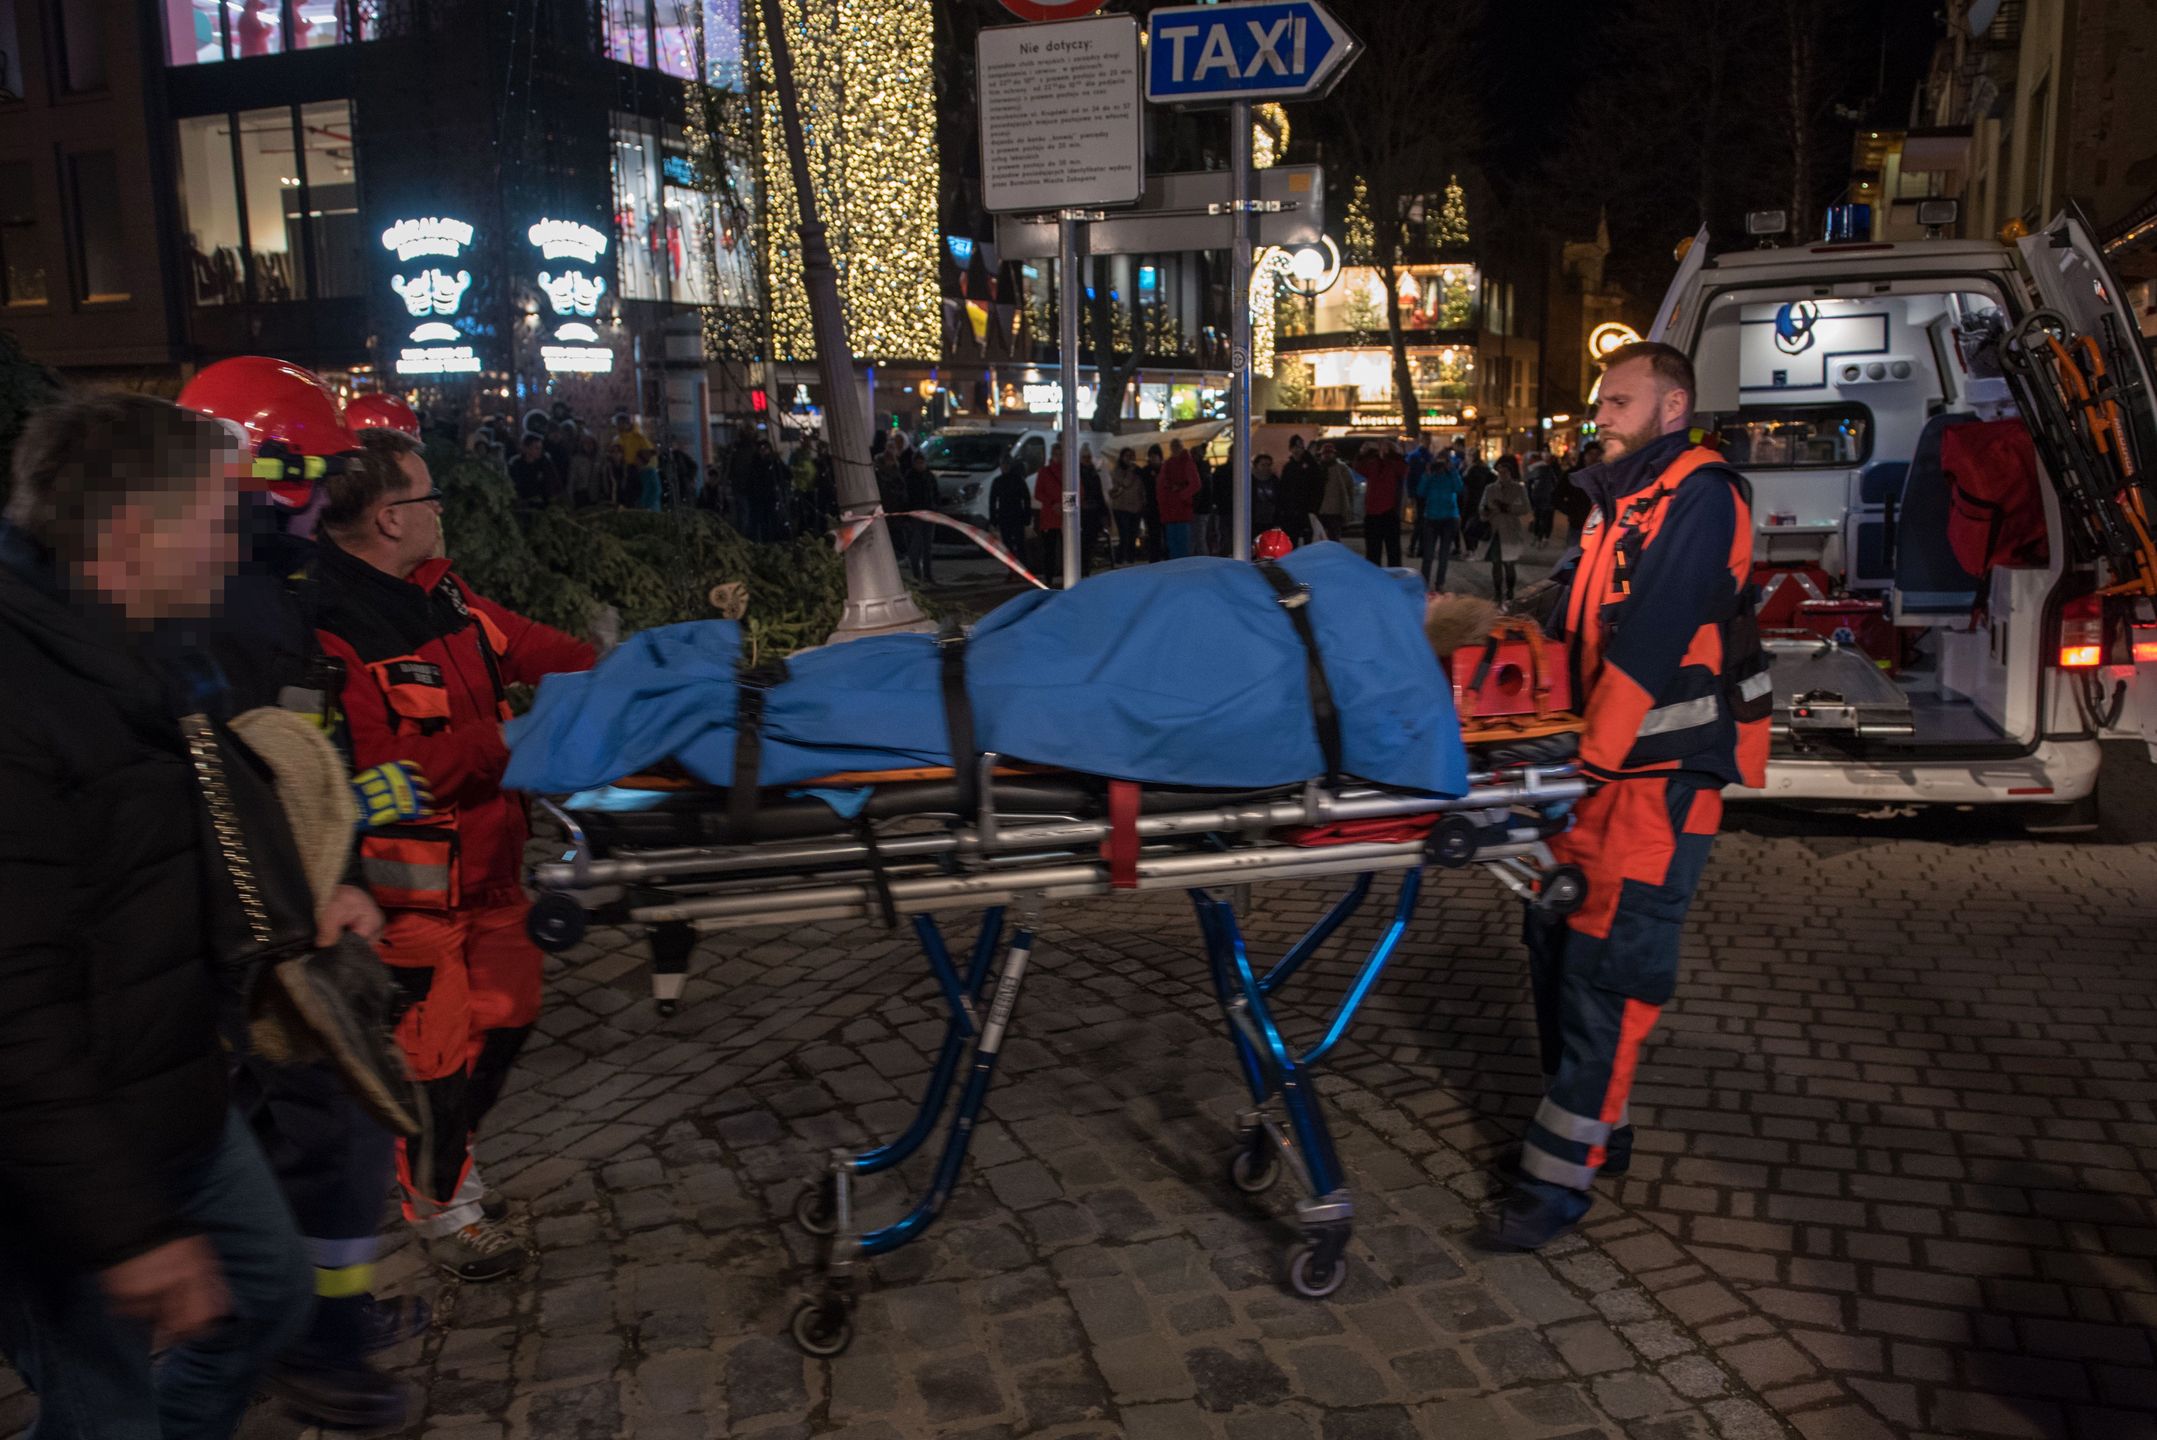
(535, 650)
(461, 764)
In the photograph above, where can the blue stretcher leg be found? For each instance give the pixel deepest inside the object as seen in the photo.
(1276, 1074)
(817, 1209)
(821, 1324)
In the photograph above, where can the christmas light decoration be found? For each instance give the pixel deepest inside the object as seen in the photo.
(1362, 238)
(1273, 265)
(1453, 216)
(868, 94)
(1269, 135)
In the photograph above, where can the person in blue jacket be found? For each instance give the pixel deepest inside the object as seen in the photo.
(1438, 493)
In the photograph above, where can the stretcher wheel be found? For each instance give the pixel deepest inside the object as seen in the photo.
(1564, 890)
(822, 1328)
(1307, 1280)
(1453, 842)
(813, 1210)
(555, 923)
(1254, 1171)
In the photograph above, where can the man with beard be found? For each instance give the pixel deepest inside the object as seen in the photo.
(1675, 701)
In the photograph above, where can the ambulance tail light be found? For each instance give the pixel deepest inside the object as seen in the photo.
(2145, 638)
(2082, 633)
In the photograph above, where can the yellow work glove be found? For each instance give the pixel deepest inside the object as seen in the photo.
(392, 793)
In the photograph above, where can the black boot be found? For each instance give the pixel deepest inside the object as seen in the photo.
(383, 1324)
(1618, 1151)
(350, 1396)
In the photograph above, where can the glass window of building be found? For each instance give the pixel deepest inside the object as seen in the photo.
(674, 30)
(81, 34)
(200, 31)
(100, 227)
(22, 258)
(640, 228)
(269, 191)
(10, 54)
(320, 23)
(210, 211)
(722, 43)
(330, 191)
(264, 196)
(625, 30)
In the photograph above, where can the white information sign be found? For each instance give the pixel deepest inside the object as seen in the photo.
(1061, 116)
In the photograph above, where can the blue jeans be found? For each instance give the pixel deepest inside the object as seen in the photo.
(92, 1370)
(1176, 538)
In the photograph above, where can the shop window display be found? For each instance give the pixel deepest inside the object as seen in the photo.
(199, 32)
(294, 193)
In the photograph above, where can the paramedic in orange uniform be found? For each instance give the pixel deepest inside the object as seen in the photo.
(1664, 651)
(425, 664)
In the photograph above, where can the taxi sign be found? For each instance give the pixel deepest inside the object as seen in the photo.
(1267, 50)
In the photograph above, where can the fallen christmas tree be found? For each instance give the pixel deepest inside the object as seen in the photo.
(568, 568)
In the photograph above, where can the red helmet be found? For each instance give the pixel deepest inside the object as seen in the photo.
(287, 412)
(381, 412)
(1272, 545)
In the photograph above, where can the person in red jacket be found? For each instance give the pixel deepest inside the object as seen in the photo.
(425, 664)
(1383, 473)
(1049, 511)
(1178, 489)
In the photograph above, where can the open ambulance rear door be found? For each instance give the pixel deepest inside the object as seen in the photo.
(2097, 429)
(1684, 292)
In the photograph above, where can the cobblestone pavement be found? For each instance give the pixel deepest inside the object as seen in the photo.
(1894, 1178)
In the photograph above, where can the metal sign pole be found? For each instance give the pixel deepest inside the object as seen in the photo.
(1070, 294)
(1239, 345)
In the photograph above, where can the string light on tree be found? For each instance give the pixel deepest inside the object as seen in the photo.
(1269, 135)
(868, 96)
(1453, 216)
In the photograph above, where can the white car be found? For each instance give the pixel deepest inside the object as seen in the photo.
(1833, 372)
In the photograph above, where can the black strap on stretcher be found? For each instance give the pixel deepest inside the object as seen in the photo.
(959, 718)
(751, 684)
(1295, 597)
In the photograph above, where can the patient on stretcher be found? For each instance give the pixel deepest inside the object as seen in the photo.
(1202, 673)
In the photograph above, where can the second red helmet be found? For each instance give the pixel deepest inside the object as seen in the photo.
(287, 412)
(1271, 545)
(381, 412)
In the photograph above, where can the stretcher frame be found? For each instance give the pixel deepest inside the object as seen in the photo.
(1001, 863)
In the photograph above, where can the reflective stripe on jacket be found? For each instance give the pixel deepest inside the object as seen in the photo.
(1663, 563)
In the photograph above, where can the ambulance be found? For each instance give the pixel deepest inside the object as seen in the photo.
(1948, 444)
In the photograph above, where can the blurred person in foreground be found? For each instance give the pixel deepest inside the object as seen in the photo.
(141, 1215)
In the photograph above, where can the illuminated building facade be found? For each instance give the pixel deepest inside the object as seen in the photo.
(483, 207)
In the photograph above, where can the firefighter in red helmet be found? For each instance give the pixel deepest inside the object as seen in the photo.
(381, 412)
(426, 666)
(332, 1158)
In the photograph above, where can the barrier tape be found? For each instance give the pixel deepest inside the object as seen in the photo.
(851, 530)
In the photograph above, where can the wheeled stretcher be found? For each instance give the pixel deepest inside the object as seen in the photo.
(677, 858)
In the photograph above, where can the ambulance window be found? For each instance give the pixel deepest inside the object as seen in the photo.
(1797, 437)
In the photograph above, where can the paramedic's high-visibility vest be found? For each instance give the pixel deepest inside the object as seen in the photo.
(1712, 714)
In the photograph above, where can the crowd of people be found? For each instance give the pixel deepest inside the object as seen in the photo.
(1433, 504)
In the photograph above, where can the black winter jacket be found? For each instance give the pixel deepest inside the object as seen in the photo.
(111, 1075)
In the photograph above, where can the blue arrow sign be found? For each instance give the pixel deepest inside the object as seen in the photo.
(1269, 50)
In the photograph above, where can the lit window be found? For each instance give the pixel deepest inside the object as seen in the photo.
(22, 259)
(317, 24)
(194, 31)
(625, 31)
(291, 205)
(722, 43)
(210, 211)
(331, 197)
(639, 221)
(198, 32)
(675, 30)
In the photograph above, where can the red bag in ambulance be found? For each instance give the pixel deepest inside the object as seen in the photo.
(1995, 513)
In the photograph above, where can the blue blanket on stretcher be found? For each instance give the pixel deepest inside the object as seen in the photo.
(1186, 673)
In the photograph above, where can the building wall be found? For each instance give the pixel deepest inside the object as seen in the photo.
(78, 166)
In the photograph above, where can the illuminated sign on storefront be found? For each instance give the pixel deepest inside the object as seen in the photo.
(432, 295)
(1609, 337)
(576, 348)
(433, 235)
(573, 292)
(567, 240)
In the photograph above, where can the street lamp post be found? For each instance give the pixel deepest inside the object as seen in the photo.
(877, 602)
